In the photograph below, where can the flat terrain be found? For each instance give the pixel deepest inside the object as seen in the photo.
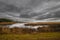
(37, 36)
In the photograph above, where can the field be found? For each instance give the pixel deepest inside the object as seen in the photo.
(37, 36)
(50, 35)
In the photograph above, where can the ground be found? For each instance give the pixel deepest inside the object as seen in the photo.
(37, 36)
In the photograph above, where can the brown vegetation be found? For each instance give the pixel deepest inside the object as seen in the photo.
(43, 23)
(6, 23)
(16, 30)
(54, 27)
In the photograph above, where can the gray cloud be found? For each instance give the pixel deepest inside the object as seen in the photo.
(36, 9)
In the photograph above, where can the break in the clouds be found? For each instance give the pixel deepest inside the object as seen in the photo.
(30, 10)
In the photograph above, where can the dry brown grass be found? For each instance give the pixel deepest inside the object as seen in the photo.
(6, 23)
(45, 23)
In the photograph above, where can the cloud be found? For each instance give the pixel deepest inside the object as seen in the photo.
(35, 9)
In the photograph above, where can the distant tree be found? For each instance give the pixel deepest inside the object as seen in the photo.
(5, 20)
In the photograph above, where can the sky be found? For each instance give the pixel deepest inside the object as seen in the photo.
(33, 9)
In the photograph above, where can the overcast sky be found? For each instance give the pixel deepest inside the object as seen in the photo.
(31, 2)
(36, 6)
(16, 2)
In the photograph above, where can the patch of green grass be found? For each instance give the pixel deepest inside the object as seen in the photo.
(38, 36)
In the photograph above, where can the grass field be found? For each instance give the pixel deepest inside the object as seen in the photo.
(38, 36)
